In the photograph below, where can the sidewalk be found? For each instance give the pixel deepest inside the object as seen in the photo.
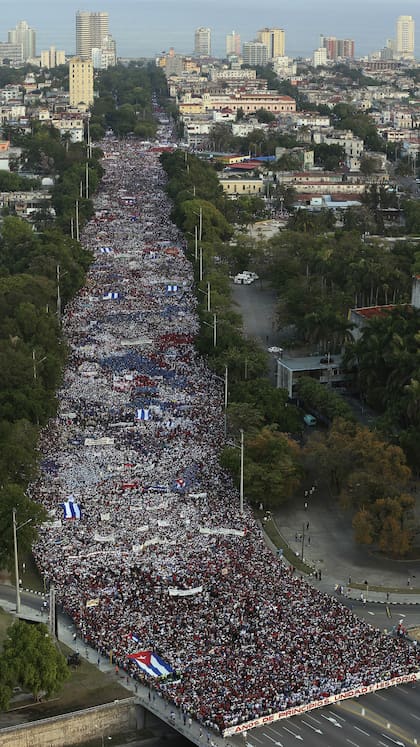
(146, 696)
(325, 536)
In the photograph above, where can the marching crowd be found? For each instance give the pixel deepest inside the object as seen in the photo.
(161, 559)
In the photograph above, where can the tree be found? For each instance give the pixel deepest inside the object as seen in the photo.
(330, 157)
(12, 496)
(271, 469)
(31, 660)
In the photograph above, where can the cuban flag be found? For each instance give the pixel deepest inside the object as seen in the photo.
(111, 296)
(171, 288)
(151, 663)
(106, 250)
(71, 509)
(180, 484)
(142, 414)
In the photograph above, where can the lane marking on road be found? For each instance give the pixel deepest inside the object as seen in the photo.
(315, 720)
(371, 613)
(257, 740)
(353, 743)
(395, 741)
(381, 697)
(414, 716)
(366, 733)
(336, 715)
(296, 736)
(272, 740)
(314, 728)
(332, 720)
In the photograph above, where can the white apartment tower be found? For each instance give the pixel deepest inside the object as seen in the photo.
(233, 44)
(274, 40)
(25, 36)
(202, 42)
(405, 37)
(91, 29)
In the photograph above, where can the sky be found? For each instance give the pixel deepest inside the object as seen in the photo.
(144, 28)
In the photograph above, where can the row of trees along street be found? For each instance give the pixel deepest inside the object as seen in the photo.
(319, 272)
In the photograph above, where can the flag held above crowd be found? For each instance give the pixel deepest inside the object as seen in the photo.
(151, 663)
(71, 509)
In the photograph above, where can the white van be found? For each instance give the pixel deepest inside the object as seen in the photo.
(242, 278)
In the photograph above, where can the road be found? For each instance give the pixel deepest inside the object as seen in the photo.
(388, 718)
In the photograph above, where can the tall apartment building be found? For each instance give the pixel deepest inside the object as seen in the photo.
(319, 57)
(81, 83)
(25, 36)
(405, 37)
(11, 52)
(202, 42)
(274, 40)
(91, 29)
(254, 53)
(337, 47)
(105, 56)
(233, 44)
(52, 57)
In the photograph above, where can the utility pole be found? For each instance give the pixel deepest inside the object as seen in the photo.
(58, 295)
(241, 482)
(77, 221)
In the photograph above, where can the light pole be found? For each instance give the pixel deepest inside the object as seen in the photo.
(208, 294)
(36, 363)
(15, 547)
(214, 327)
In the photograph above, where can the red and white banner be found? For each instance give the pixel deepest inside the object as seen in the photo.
(296, 710)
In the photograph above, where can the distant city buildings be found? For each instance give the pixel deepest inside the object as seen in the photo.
(202, 42)
(337, 48)
(233, 44)
(11, 53)
(404, 46)
(255, 53)
(274, 40)
(25, 36)
(319, 57)
(52, 57)
(80, 83)
(93, 40)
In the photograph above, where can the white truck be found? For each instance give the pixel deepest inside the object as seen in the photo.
(245, 278)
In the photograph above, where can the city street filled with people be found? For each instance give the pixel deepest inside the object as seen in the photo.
(145, 544)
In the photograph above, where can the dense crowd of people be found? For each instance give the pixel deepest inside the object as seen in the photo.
(161, 559)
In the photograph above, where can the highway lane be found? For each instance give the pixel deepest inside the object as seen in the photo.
(385, 719)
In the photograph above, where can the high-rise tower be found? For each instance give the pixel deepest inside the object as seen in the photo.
(405, 37)
(274, 40)
(25, 36)
(202, 42)
(233, 44)
(91, 29)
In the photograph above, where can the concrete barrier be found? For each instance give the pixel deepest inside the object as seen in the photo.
(79, 726)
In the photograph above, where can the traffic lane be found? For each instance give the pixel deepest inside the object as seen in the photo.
(400, 706)
(376, 613)
(320, 728)
(381, 727)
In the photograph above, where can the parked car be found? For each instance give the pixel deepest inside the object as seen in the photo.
(309, 419)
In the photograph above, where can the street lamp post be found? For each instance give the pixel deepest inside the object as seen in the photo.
(226, 395)
(15, 547)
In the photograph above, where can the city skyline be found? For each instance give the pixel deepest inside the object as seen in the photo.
(147, 28)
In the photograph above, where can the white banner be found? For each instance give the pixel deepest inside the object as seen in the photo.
(296, 710)
(105, 441)
(163, 523)
(197, 495)
(105, 517)
(92, 602)
(103, 537)
(224, 531)
(185, 592)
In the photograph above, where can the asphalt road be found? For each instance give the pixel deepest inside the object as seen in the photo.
(390, 717)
